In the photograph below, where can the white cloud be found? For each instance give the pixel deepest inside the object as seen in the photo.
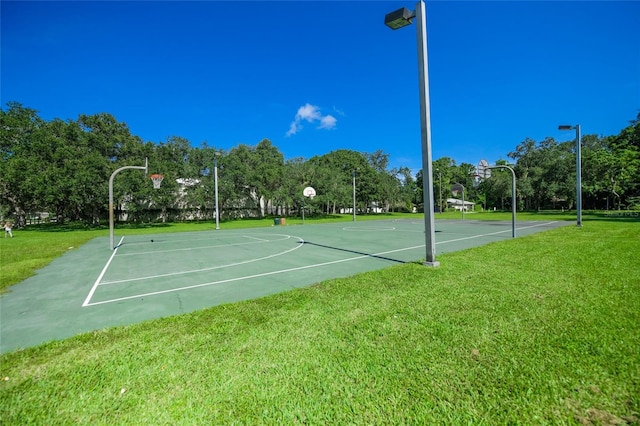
(294, 128)
(308, 112)
(327, 122)
(311, 113)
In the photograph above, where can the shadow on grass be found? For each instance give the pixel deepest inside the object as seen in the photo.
(570, 215)
(614, 216)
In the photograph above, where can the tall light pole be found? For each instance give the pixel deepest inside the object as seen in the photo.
(578, 169)
(215, 179)
(398, 19)
(354, 195)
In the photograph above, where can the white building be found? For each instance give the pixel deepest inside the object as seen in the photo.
(457, 204)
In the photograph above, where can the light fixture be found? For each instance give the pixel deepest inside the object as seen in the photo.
(399, 18)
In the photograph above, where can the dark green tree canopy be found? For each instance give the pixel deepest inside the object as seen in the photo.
(63, 168)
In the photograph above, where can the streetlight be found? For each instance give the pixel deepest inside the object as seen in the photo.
(215, 179)
(398, 19)
(578, 169)
(354, 195)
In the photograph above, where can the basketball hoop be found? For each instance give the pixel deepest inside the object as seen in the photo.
(157, 180)
(483, 170)
(456, 189)
(309, 192)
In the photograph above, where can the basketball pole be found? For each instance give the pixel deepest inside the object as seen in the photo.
(113, 175)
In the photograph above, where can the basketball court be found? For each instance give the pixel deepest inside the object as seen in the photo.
(147, 277)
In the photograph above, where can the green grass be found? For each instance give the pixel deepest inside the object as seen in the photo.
(542, 329)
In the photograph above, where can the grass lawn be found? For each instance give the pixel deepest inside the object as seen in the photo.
(543, 329)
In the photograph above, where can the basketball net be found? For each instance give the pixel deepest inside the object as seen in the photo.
(157, 180)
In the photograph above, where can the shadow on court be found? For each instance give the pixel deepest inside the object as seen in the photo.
(354, 252)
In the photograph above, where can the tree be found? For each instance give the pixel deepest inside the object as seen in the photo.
(295, 179)
(624, 164)
(238, 174)
(170, 159)
(408, 188)
(267, 172)
(444, 169)
(332, 177)
(498, 188)
(19, 167)
(64, 180)
(199, 169)
(464, 174)
(108, 145)
(64, 167)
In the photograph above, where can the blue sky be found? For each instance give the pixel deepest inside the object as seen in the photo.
(314, 77)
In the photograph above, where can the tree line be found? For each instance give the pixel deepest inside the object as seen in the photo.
(63, 168)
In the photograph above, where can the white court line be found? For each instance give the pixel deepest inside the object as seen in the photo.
(179, 240)
(300, 267)
(104, 270)
(284, 237)
(494, 233)
(193, 271)
(368, 228)
(259, 239)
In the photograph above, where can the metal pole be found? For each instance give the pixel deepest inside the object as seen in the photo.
(579, 174)
(514, 202)
(354, 195)
(463, 206)
(425, 125)
(215, 178)
(113, 175)
(111, 211)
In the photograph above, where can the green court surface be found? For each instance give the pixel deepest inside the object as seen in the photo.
(149, 277)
